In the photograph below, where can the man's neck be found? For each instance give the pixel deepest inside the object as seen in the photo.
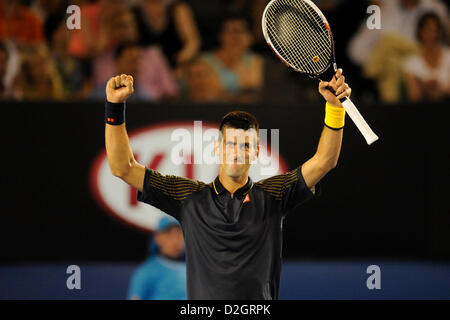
(232, 184)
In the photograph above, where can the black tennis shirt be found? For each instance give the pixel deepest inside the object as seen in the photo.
(233, 243)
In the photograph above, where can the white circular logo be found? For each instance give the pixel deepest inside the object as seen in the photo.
(160, 147)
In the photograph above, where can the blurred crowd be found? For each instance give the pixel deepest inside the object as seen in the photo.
(214, 51)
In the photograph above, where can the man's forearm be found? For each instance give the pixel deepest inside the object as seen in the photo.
(118, 149)
(325, 158)
(329, 148)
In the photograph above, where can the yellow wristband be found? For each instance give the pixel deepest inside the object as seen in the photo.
(334, 117)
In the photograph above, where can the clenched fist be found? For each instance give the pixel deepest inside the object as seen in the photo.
(119, 88)
(341, 89)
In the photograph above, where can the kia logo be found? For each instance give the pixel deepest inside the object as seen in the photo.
(154, 146)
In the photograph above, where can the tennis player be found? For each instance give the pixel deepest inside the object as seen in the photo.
(232, 226)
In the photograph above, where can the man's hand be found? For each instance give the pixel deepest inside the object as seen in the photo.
(338, 85)
(119, 88)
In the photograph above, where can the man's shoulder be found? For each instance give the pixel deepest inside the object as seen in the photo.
(275, 185)
(277, 178)
(174, 180)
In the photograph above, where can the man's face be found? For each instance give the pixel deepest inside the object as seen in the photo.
(237, 150)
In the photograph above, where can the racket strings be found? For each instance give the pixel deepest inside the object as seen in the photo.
(298, 33)
(323, 33)
(288, 51)
(289, 47)
(294, 39)
(283, 40)
(310, 39)
(305, 37)
(316, 21)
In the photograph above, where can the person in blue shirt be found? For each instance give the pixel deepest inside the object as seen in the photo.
(163, 275)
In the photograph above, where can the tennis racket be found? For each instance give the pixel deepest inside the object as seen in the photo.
(301, 37)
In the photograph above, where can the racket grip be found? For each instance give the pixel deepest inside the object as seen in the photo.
(359, 121)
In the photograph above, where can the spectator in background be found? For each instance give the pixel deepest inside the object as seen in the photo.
(239, 70)
(398, 17)
(96, 31)
(200, 83)
(4, 55)
(38, 78)
(70, 68)
(380, 52)
(9, 67)
(172, 26)
(126, 32)
(45, 9)
(19, 24)
(128, 59)
(154, 77)
(255, 8)
(163, 275)
(428, 73)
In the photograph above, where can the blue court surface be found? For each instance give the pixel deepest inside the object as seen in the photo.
(300, 280)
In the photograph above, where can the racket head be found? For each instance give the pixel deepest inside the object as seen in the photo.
(299, 35)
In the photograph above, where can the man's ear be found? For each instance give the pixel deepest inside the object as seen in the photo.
(256, 153)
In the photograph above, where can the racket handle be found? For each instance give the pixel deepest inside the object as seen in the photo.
(359, 121)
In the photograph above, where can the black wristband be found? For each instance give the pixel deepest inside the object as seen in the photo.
(335, 129)
(114, 113)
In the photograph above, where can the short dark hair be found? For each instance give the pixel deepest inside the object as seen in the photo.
(421, 22)
(239, 120)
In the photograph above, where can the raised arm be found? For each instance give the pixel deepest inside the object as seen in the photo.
(118, 150)
(330, 142)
